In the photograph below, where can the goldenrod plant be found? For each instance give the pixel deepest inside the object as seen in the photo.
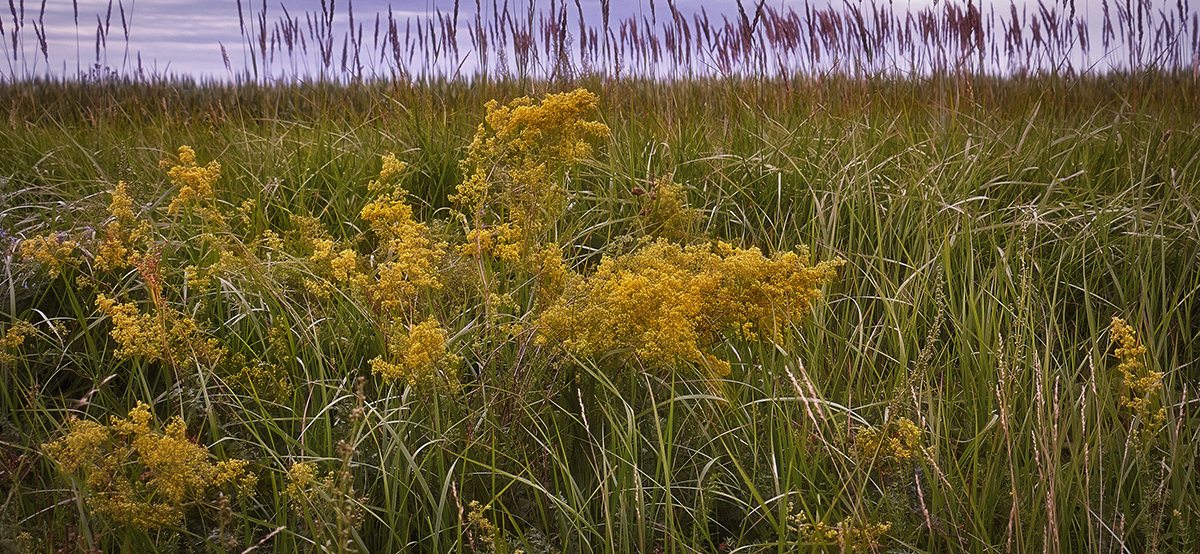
(513, 185)
(669, 306)
(131, 473)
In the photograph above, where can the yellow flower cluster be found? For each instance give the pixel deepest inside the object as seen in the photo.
(330, 498)
(138, 476)
(335, 266)
(195, 182)
(300, 479)
(420, 357)
(137, 333)
(410, 254)
(166, 335)
(1142, 385)
(669, 304)
(125, 236)
(478, 522)
(390, 168)
(504, 242)
(265, 377)
(262, 380)
(552, 273)
(510, 190)
(665, 211)
(52, 251)
(13, 339)
(848, 534)
(898, 442)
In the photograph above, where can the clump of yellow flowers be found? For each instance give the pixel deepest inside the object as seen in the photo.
(125, 236)
(847, 534)
(897, 443)
(300, 479)
(669, 305)
(195, 182)
(325, 502)
(665, 211)
(164, 335)
(511, 188)
(1142, 386)
(418, 355)
(409, 255)
(13, 339)
(54, 252)
(139, 476)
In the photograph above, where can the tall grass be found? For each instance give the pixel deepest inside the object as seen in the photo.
(991, 229)
(484, 41)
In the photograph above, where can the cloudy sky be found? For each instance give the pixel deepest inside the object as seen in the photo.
(186, 36)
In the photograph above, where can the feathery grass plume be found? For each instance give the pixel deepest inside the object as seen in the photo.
(669, 306)
(512, 187)
(136, 475)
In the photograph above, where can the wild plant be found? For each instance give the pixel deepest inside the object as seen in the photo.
(130, 473)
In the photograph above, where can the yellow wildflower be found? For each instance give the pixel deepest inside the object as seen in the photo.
(194, 182)
(53, 251)
(165, 335)
(125, 236)
(420, 356)
(410, 257)
(510, 190)
(138, 476)
(329, 502)
(1142, 386)
(665, 212)
(391, 168)
(848, 535)
(503, 242)
(477, 522)
(270, 382)
(896, 443)
(670, 305)
(299, 479)
(137, 333)
(332, 267)
(13, 339)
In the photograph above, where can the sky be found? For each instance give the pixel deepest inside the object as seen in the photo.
(185, 37)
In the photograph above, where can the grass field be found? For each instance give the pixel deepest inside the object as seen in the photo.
(605, 346)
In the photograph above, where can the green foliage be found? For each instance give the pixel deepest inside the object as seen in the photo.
(961, 385)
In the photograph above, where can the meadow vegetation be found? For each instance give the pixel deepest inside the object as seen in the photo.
(709, 315)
